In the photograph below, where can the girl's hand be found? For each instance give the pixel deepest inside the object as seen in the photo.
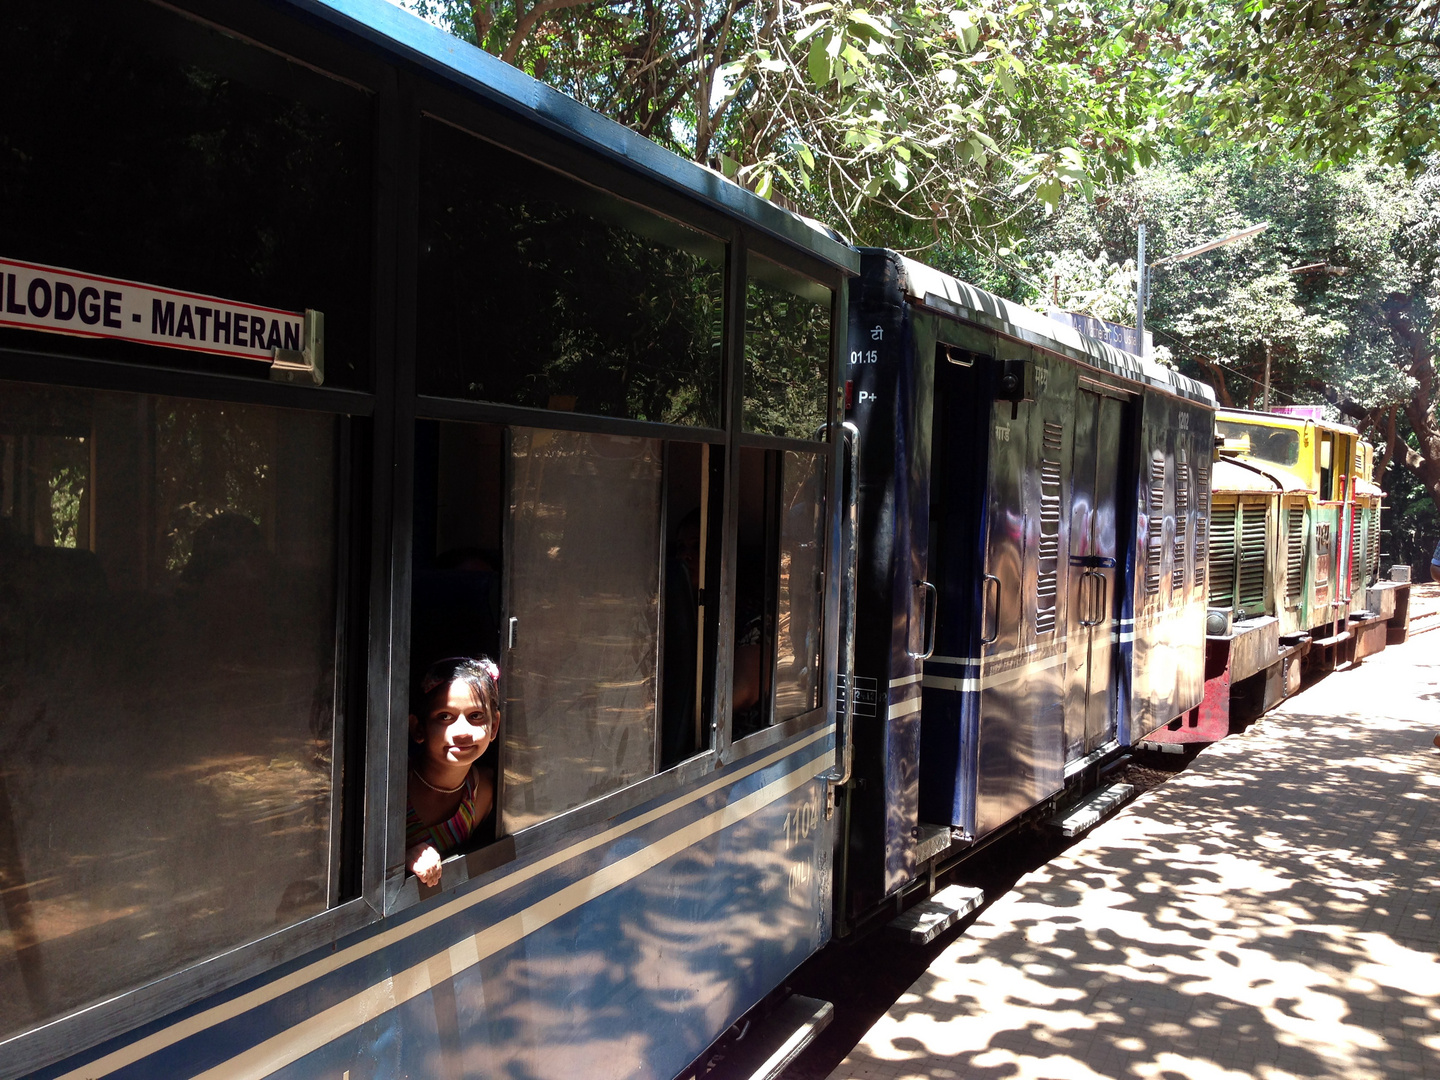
(425, 863)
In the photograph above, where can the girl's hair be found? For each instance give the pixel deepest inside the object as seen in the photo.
(478, 673)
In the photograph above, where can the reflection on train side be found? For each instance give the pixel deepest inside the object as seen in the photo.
(166, 685)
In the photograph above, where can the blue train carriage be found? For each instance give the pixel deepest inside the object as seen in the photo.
(1033, 512)
(331, 346)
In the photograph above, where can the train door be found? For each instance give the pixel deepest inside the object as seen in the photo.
(1019, 756)
(958, 491)
(1090, 710)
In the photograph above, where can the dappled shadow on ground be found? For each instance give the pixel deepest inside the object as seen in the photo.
(1269, 913)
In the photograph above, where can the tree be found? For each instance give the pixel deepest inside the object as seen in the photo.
(1340, 290)
(914, 124)
(1322, 80)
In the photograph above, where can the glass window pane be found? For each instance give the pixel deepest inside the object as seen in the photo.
(536, 290)
(139, 144)
(167, 639)
(802, 558)
(583, 583)
(787, 352)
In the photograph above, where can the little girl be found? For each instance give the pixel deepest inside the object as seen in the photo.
(453, 720)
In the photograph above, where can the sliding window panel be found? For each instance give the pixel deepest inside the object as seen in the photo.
(582, 625)
(798, 621)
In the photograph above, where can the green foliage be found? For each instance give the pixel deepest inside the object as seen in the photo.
(909, 122)
(1326, 81)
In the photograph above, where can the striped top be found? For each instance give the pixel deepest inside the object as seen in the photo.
(455, 830)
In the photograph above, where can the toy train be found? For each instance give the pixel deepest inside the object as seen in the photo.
(810, 570)
(1294, 566)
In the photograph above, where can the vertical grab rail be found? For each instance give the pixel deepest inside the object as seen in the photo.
(932, 612)
(839, 775)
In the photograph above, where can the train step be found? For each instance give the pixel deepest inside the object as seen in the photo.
(770, 1044)
(922, 923)
(1092, 809)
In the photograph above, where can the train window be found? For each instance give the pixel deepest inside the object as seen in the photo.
(167, 673)
(1280, 446)
(219, 168)
(589, 303)
(787, 352)
(778, 588)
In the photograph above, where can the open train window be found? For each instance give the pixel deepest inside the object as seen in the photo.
(585, 564)
(167, 685)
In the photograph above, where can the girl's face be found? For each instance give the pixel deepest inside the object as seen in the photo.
(457, 726)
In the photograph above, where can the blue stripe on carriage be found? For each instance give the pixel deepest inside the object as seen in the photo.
(417, 948)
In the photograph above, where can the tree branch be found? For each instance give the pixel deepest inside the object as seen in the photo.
(527, 22)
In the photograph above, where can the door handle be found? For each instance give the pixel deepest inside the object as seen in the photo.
(1101, 591)
(932, 611)
(991, 608)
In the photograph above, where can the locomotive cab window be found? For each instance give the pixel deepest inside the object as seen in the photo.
(167, 685)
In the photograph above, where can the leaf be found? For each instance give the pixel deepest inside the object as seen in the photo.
(865, 19)
(1007, 84)
(900, 174)
(819, 61)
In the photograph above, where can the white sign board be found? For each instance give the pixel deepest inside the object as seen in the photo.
(38, 297)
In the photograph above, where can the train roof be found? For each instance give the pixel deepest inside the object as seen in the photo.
(951, 296)
(1255, 416)
(406, 38)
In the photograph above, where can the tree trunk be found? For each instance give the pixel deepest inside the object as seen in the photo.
(1416, 351)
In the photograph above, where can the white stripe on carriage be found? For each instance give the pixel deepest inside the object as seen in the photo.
(904, 708)
(339, 1020)
(1019, 650)
(907, 680)
(941, 682)
(1003, 677)
(219, 1014)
